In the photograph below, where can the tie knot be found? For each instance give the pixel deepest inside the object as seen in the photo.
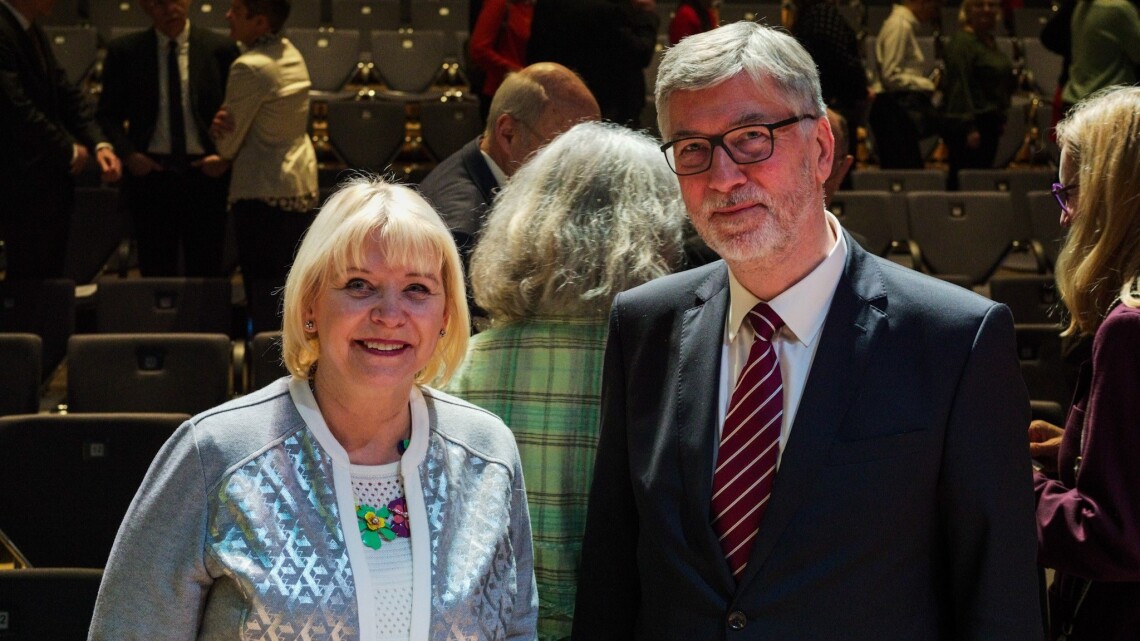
(765, 321)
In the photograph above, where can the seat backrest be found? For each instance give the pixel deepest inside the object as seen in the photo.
(47, 603)
(1045, 65)
(966, 234)
(447, 125)
(330, 54)
(1032, 298)
(898, 180)
(211, 14)
(768, 14)
(867, 213)
(409, 61)
(21, 374)
(264, 356)
(1045, 223)
(74, 47)
(42, 307)
(367, 15)
(1016, 182)
(1039, 351)
(76, 475)
(186, 373)
(126, 305)
(441, 15)
(367, 134)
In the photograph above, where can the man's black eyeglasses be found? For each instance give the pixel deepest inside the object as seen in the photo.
(744, 145)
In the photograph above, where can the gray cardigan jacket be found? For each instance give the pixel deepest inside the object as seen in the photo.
(245, 528)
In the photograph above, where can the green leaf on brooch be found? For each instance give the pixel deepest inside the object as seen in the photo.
(371, 539)
(387, 534)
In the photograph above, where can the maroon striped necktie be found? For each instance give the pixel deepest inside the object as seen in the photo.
(749, 444)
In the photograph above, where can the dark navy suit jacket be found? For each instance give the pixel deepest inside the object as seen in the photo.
(903, 506)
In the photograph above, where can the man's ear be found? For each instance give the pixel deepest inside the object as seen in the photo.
(826, 142)
(505, 131)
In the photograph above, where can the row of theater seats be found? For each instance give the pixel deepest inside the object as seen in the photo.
(967, 234)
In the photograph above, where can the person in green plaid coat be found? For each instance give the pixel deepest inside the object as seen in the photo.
(593, 214)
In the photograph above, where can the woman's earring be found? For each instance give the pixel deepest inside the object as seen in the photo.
(442, 333)
(310, 325)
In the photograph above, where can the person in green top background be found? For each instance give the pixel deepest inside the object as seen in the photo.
(594, 213)
(977, 87)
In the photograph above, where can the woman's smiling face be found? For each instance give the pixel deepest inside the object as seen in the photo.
(378, 323)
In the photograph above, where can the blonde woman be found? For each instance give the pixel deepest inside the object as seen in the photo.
(349, 500)
(1088, 517)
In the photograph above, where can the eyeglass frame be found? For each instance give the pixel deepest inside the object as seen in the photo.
(1061, 193)
(718, 141)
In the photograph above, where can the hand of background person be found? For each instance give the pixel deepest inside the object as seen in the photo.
(78, 159)
(212, 165)
(140, 164)
(223, 124)
(1044, 442)
(973, 140)
(110, 167)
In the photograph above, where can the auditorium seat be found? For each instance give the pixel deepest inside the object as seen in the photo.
(867, 213)
(439, 15)
(126, 305)
(367, 15)
(898, 180)
(330, 54)
(1045, 221)
(75, 47)
(448, 124)
(1032, 298)
(42, 307)
(21, 374)
(114, 17)
(409, 61)
(264, 356)
(48, 604)
(186, 373)
(959, 233)
(76, 475)
(1042, 366)
(1017, 182)
(367, 134)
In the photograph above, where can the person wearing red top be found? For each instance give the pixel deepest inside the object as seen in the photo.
(693, 16)
(498, 43)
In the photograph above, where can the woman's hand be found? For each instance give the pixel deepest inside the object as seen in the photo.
(1045, 442)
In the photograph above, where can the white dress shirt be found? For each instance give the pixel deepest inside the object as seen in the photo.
(803, 307)
(900, 59)
(160, 139)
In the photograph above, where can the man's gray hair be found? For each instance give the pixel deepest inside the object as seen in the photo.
(710, 58)
(595, 212)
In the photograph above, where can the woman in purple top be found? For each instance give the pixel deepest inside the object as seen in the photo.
(1088, 516)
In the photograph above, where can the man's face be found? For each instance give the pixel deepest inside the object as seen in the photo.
(245, 28)
(168, 16)
(762, 211)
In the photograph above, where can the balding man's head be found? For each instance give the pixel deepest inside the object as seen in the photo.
(531, 108)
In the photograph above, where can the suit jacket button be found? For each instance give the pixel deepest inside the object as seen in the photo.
(736, 620)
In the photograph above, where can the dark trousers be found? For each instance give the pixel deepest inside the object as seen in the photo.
(175, 211)
(35, 223)
(960, 156)
(900, 120)
(267, 239)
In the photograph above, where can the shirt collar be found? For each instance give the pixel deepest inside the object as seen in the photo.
(496, 170)
(804, 305)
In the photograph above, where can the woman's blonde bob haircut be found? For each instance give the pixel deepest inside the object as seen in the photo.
(366, 211)
(1100, 260)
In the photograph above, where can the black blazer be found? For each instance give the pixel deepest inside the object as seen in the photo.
(42, 115)
(130, 86)
(461, 188)
(902, 509)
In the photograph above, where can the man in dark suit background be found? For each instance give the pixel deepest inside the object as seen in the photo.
(528, 110)
(802, 441)
(47, 135)
(176, 183)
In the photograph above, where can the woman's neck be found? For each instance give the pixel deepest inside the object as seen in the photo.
(370, 426)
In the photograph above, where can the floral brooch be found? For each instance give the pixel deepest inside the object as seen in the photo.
(383, 523)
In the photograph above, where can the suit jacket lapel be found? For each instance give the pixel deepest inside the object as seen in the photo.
(147, 110)
(697, 381)
(196, 69)
(856, 319)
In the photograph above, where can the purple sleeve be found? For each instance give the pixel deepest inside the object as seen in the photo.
(1091, 528)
